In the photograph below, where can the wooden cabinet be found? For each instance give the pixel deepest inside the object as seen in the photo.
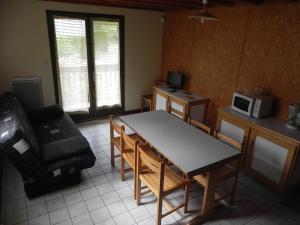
(270, 149)
(270, 158)
(191, 104)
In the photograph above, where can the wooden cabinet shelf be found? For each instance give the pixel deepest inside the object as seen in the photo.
(270, 149)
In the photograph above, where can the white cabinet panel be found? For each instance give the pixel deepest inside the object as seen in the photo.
(230, 130)
(197, 112)
(177, 106)
(268, 158)
(161, 102)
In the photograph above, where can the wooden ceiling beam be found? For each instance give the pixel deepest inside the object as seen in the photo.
(165, 5)
(153, 3)
(159, 5)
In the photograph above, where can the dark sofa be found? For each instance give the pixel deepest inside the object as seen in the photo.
(45, 146)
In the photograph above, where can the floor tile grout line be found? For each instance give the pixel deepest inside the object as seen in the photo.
(245, 182)
(67, 210)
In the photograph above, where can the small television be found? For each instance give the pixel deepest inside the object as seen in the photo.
(175, 80)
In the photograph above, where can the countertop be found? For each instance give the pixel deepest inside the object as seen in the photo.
(273, 124)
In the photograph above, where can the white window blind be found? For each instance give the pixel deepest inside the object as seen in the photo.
(72, 64)
(107, 62)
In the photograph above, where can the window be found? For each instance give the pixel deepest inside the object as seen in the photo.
(87, 58)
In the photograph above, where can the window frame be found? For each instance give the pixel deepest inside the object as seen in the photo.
(95, 112)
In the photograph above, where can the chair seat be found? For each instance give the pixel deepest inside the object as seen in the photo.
(225, 172)
(116, 140)
(172, 181)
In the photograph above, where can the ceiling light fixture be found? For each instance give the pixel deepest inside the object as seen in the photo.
(204, 15)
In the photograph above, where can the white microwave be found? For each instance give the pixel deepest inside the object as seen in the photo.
(251, 104)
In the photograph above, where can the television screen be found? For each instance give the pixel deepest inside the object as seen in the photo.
(175, 80)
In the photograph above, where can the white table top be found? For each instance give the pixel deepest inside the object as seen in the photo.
(189, 148)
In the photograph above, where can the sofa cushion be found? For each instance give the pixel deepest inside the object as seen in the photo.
(64, 148)
(55, 130)
(45, 114)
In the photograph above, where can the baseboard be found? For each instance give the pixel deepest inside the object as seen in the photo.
(132, 111)
(128, 112)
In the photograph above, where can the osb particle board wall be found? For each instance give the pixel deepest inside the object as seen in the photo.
(256, 46)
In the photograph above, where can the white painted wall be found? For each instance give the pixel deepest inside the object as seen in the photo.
(24, 45)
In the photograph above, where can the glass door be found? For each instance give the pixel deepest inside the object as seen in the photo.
(107, 64)
(88, 63)
(73, 75)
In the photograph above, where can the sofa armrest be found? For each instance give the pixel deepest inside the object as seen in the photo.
(46, 113)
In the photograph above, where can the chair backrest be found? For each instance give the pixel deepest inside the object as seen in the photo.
(115, 127)
(147, 160)
(228, 140)
(236, 164)
(128, 141)
(199, 125)
(177, 113)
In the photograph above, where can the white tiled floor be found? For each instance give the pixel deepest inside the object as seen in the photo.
(102, 199)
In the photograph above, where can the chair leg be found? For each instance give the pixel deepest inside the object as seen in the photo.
(186, 197)
(233, 190)
(151, 106)
(159, 209)
(138, 191)
(112, 154)
(134, 183)
(122, 169)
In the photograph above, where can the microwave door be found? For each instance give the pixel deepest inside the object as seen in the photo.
(243, 105)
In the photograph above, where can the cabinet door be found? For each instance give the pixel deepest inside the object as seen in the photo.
(270, 158)
(198, 112)
(160, 101)
(178, 105)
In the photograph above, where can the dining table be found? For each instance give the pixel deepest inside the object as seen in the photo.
(191, 150)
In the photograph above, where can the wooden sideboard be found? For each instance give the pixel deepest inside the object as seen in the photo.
(270, 151)
(191, 104)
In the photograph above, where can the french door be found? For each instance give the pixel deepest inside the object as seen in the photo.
(87, 53)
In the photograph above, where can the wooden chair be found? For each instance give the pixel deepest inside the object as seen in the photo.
(199, 125)
(148, 99)
(160, 180)
(228, 140)
(115, 140)
(129, 154)
(177, 113)
(225, 173)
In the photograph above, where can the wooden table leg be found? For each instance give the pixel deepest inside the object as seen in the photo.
(209, 193)
(208, 198)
